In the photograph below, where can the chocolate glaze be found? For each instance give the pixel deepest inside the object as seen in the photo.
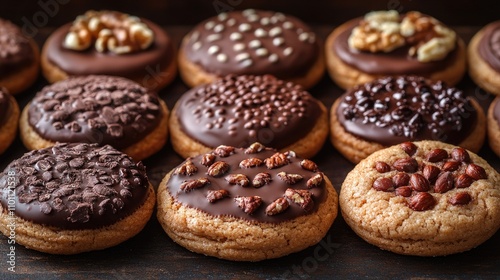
(74, 186)
(392, 110)
(95, 109)
(489, 45)
(251, 41)
(142, 64)
(197, 198)
(4, 106)
(395, 62)
(496, 111)
(239, 110)
(15, 49)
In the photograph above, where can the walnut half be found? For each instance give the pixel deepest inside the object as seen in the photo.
(108, 31)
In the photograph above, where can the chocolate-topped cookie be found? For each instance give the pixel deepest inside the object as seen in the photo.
(386, 43)
(251, 42)
(484, 58)
(73, 198)
(240, 110)
(97, 109)
(9, 119)
(19, 58)
(110, 43)
(422, 198)
(494, 125)
(393, 110)
(246, 204)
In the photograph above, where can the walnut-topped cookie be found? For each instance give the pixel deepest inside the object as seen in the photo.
(386, 43)
(110, 43)
(422, 198)
(251, 42)
(246, 204)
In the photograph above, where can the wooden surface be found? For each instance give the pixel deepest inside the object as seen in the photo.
(341, 254)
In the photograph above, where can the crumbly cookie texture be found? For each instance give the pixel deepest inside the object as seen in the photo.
(246, 204)
(423, 198)
(384, 31)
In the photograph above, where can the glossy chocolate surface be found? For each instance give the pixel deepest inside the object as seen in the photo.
(15, 49)
(74, 186)
(489, 45)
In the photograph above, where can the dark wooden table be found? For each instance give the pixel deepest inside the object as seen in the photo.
(341, 254)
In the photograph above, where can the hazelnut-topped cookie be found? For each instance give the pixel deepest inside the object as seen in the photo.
(391, 110)
(110, 43)
(73, 198)
(9, 119)
(251, 42)
(239, 110)
(246, 204)
(19, 58)
(97, 109)
(422, 198)
(386, 43)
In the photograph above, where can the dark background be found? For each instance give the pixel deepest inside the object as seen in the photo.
(341, 254)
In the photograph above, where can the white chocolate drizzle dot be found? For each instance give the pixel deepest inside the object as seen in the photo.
(231, 22)
(265, 21)
(312, 38)
(273, 58)
(242, 56)
(222, 16)
(196, 46)
(213, 49)
(280, 16)
(288, 51)
(254, 44)
(213, 37)
(259, 33)
(209, 25)
(275, 31)
(246, 63)
(238, 47)
(235, 36)
(195, 36)
(248, 12)
(287, 25)
(222, 57)
(303, 36)
(219, 28)
(253, 18)
(261, 52)
(244, 27)
(278, 41)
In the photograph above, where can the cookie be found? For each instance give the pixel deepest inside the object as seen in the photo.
(9, 119)
(110, 43)
(251, 42)
(423, 198)
(97, 109)
(19, 58)
(392, 110)
(484, 58)
(240, 110)
(246, 204)
(74, 198)
(494, 126)
(385, 43)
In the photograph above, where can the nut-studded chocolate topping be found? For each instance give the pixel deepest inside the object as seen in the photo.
(15, 48)
(74, 186)
(252, 42)
(95, 109)
(489, 45)
(4, 106)
(239, 110)
(392, 110)
(438, 171)
(266, 193)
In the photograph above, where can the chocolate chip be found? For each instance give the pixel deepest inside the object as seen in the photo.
(76, 162)
(45, 208)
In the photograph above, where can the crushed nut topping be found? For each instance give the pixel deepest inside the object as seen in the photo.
(111, 31)
(385, 31)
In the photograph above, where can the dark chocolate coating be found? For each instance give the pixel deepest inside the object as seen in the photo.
(489, 45)
(240, 110)
(95, 109)
(252, 42)
(74, 186)
(197, 198)
(15, 49)
(392, 110)
(396, 62)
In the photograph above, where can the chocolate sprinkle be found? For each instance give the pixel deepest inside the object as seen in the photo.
(95, 109)
(75, 186)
